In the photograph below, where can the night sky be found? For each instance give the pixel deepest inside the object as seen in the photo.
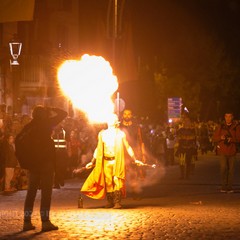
(193, 42)
(197, 40)
(194, 38)
(158, 23)
(165, 28)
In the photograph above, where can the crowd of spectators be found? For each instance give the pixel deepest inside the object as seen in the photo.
(161, 139)
(81, 137)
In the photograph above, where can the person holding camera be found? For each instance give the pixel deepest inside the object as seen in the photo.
(226, 136)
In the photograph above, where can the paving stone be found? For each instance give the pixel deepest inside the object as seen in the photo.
(170, 209)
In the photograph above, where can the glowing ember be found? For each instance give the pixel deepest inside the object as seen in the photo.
(89, 83)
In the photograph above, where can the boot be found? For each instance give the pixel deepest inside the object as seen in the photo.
(117, 200)
(48, 226)
(27, 225)
(110, 203)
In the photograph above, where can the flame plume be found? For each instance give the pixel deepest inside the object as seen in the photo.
(89, 84)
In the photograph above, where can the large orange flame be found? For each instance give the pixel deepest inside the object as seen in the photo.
(89, 83)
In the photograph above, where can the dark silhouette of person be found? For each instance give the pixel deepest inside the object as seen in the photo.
(41, 171)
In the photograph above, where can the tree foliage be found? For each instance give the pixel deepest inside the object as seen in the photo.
(198, 69)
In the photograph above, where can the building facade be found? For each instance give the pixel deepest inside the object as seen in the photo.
(51, 37)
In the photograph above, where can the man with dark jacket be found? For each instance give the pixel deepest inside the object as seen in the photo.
(42, 169)
(226, 136)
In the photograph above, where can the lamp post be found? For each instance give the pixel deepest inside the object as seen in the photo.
(114, 24)
(15, 47)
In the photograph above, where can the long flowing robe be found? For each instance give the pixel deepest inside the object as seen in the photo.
(94, 186)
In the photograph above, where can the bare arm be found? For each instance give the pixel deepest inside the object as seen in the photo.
(128, 147)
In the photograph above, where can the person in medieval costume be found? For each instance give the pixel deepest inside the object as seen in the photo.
(107, 179)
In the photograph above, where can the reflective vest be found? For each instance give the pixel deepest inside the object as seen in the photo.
(59, 139)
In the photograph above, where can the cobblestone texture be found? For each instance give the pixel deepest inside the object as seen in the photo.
(171, 209)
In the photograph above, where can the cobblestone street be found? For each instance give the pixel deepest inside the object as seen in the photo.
(170, 209)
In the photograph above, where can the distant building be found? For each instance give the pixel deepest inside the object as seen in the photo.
(52, 31)
(47, 40)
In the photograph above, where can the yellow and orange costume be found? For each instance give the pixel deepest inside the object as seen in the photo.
(108, 176)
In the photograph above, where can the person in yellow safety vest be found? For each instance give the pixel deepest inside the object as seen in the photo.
(59, 138)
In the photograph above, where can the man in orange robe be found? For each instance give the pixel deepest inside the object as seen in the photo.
(107, 179)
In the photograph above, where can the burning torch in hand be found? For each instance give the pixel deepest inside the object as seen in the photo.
(82, 169)
(140, 163)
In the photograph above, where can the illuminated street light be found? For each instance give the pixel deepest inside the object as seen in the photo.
(15, 50)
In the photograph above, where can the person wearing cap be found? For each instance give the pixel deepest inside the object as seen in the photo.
(107, 179)
(226, 136)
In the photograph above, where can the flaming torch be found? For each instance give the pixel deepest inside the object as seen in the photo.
(89, 83)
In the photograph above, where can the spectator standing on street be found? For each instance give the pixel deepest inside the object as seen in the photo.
(170, 141)
(203, 137)
(41, 171)
(73, 149)
(187, 147)
(226, 136)
(160, 146)
(59, 138)
(11, 163)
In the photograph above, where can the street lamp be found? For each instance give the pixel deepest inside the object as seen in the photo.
(15, 50)
(15, 47)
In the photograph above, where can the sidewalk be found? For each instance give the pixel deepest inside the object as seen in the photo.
(169, 209)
